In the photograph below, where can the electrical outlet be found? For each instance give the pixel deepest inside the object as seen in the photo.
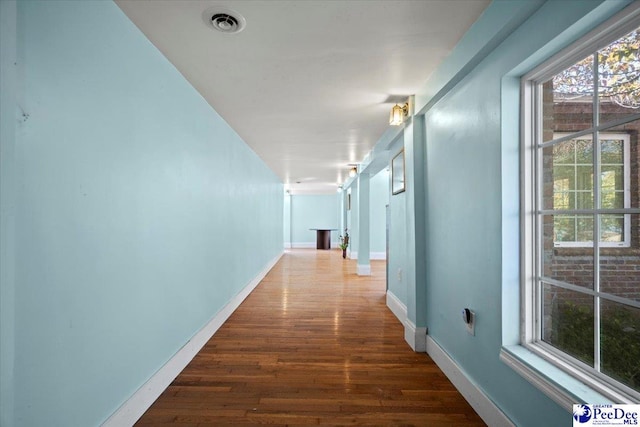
(469, 318)
(399, 275)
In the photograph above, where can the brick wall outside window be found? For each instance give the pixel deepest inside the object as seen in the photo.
(619, 267)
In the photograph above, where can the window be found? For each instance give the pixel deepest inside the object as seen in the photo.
(572, 174)
(581, 211)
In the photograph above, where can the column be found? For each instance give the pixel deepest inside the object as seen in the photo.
(364, 263)
(354, 230)
(286, 223)
(415, 164)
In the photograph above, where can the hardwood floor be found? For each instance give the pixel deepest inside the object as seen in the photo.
(314, 344)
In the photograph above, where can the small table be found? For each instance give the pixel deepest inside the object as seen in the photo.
(323, 237)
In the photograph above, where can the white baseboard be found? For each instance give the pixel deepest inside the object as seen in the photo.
(415, 337)
(418, 339)
(372, 255)
(134, 407)
(480, 402)
(308, 245)
(397, 307)
(303, 245)
(351, 255)
(364, 270)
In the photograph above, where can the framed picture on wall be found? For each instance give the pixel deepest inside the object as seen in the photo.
(397, 173)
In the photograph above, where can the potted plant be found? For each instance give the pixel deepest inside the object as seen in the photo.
(344, 243)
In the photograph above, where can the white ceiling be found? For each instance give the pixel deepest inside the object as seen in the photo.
(307, 84)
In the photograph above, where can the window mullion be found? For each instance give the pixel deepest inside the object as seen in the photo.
(538, 186)
(596, 217)
(574, 192)
(626, 171)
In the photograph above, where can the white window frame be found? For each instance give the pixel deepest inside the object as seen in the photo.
(626, 241)
(531, 295)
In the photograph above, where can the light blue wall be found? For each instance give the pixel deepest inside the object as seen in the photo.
(140, 213)
(379, 187)
(8, 122)
(378, 198)
(471, 176)
(363, 234)
(286, 223)
(397, 262)
(353, 217)
(314, 211)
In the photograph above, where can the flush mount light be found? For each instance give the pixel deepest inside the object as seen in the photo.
(398, 114)
(224, 20)
(353, 172)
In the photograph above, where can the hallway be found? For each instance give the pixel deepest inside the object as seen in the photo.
(314, 344)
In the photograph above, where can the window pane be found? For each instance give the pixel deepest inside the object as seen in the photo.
(564, 153)
(563, 200)
(612, 200)
(584, 178)
(614, 172)
(584, 200)
(568, 322)
(611, 151)
(612, 177)
(564, 176)
(568, 100)
(569, 181)
(620, 342)
(618, 74)
(620, 266)
(612, 228)
(565, 258)
(584, 151)
(584, 228)
(572, 229)
(564, 228)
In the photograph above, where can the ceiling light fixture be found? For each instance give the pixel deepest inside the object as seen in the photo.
(339, 188)
(398, 114)
(353, 172)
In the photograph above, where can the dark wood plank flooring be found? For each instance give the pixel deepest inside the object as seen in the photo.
(314, 344)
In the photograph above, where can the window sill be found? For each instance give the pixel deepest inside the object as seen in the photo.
(558, 385)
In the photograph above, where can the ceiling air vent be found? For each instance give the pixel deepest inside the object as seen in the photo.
(224, 20)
